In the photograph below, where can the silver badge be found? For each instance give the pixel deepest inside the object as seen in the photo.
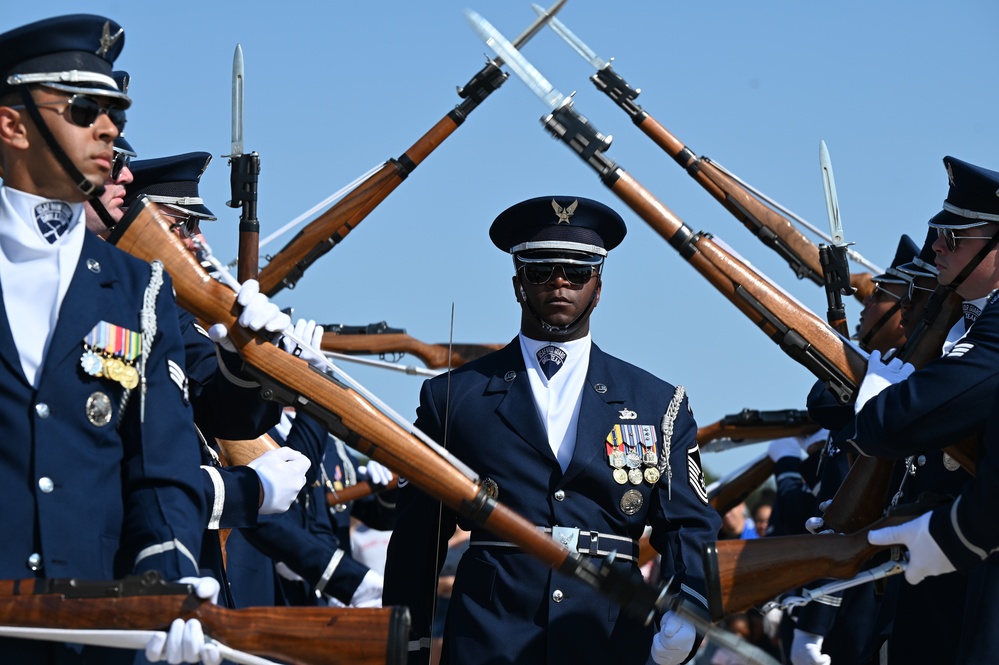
(600, 388)
(628, 414)
(564, 213)
(631, 502)
(93, 265)
(491, 487)
(99, 409)
(107, 39)
(509, 376)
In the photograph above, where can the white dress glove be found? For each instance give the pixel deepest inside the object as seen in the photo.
(879, 376)
(259, 313)
(369, 592)
(378, 473)
(806, 649)
(308, 331)
(926, 559)
(282, 569)
(282, 477)
(185, 642)
(787, 447)
(674, 641)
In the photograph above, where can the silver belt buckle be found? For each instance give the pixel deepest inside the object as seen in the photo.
(567, 536)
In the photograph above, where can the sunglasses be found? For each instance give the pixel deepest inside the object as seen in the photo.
(913, 288)
(121, 161)
(83, 111)
(542, 273)
(950, 238)
(189, 224)
(880, 292)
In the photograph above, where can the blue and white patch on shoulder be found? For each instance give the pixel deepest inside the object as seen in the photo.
(960, 349)
(695, 475)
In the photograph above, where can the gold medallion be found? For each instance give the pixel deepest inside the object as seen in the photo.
(114, 368)
(652, 475)
(130, 377)
(620, 476)
(98, 409)
(631, 502)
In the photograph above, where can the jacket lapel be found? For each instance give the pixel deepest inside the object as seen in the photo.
(90, 295)
(517, 409)
(8, 350)
(598, 413)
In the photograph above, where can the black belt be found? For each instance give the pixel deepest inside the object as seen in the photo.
(592, 543)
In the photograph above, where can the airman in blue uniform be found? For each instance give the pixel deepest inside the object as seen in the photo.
(586, 446)
(100, 455)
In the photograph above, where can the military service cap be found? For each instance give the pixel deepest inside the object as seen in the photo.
(554, 225)
(171, 181)
(71, 53)
(907, 250)
(973, 198)
(924, 264)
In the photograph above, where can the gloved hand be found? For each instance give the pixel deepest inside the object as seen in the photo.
(879, 376)
(674, 641)
(282, 569)
(789, 446)
(926, 559)
(369, 592)
(818, 524)
(806, 649)
(308, 331)
(282, 477)
(259, 313)
(379, 474)
(185, 642)
(771, 622)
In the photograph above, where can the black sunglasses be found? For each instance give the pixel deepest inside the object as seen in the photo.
(84, 111)
(880, 293)
(950, 238)
(542, 273)
(913, 288)
(121, 161)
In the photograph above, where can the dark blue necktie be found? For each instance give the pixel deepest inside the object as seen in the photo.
(52, 218)
(551, 359)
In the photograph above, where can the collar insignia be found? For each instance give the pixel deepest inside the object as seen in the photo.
(107, 39)
(628, 414)
(564, 213)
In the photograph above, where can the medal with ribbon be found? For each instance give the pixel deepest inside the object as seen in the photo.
(110, 351)
(615, 455)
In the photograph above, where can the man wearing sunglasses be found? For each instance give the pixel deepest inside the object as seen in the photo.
(947, 401)
(586, 446)
(95, 484)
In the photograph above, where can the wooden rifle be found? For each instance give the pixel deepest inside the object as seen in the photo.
(357, 491)
(322, 234)
(243, 177)
(378, 338)
(290, 380)
(296, 635)
(772, 228)
(750, 426)
(741, 574)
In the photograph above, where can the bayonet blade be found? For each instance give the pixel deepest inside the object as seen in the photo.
(237, 102)
(515, 61)
(572, 40)
(544, 16)
(832, 202)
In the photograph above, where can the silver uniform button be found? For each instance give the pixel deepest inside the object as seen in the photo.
(921, 460)
(42, 409)
(557, 596)
(559, 495)
(35, 561)
(93, 265)
(46, 485)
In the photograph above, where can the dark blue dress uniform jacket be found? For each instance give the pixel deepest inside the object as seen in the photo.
(87, 498)
(506, 606)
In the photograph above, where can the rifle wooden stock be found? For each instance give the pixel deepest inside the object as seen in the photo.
(742, 574)
(358, 491)
(290, 380)
(799, 332)
(434, 356)
(865, 491)
(297, 635)
(239, 453)
(772, 228)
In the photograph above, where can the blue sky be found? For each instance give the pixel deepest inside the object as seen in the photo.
(335, 88)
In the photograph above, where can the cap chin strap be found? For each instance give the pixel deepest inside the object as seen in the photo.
(568, 328)
(85, 186)
(106, 219)
(865, 341)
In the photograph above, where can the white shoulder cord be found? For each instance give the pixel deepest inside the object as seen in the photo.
(147, 323)
(665, 470)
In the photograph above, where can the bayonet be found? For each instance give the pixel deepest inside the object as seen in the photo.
(237, 103)
(572, 40)
(833, 258)
(245, 171)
